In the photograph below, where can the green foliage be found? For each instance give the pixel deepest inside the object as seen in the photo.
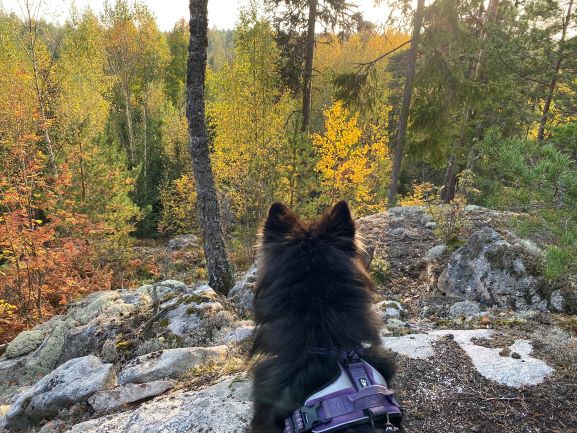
(541, 180)
(380, 270)
(451, 221)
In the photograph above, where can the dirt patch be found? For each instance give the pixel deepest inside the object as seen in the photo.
(446, 394)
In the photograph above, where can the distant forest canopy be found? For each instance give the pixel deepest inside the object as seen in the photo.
(466, 101)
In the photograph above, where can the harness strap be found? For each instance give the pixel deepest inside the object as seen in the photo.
(358, 374)
(374, 396)
(377, 399)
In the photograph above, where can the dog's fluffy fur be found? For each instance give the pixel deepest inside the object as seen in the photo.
(312, 292)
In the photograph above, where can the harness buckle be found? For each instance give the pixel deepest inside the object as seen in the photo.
(390, 427)
(311, 418)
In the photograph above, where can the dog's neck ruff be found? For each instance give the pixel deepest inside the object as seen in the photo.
(359, 395)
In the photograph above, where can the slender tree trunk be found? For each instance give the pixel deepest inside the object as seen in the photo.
(39, 87)
(490, 17)
(308, 72)
(555, 77)
(219, 269)
(145, 133)
(449, 183)
(128, 114)
(81, 163)
(406, 104)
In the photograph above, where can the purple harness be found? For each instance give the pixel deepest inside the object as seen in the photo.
(359, 395)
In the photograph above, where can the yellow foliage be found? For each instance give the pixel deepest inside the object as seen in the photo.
(346, 162)
(422, 193)
(556, 116)
(178, 201)
(6, 310)
(249, 115)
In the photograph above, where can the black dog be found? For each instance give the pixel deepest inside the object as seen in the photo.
(312, 292)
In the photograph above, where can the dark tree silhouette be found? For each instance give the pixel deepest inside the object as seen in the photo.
(406, 104)
(219, 269)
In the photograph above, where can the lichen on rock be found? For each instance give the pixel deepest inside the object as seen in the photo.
(24, 343)
(492, 271)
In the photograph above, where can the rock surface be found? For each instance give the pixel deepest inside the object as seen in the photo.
(72, 382)
(475, 377)
(242, 294)
(112, 399)
(240, 334)
(183, 242)
(467, 309)
(24, 343)
(82, 331)
(171, 363)
(435, 253)
(492, 271)
(390, 309)
(223, 408)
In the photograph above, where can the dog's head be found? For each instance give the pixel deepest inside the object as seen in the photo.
(334, 232)
(309, 261)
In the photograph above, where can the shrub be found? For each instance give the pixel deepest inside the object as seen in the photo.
(178, 200)
(380, 270)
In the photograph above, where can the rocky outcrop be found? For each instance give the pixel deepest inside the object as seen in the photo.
(242, 294)
(73, 382)
(108, 400)
(466, 309)
(492, 271)
(103, 324)
(168, 341)
(242, 333)
(24, 343)
(183, 242)
(170, 363)
(82, 331)
(390, 310)
(223, 408)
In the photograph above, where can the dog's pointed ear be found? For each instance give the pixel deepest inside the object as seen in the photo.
(280, 221)
(340, 221)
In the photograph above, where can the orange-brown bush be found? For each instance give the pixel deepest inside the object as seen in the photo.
(46, 257)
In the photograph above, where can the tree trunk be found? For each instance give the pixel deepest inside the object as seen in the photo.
(219, 269)
(490, 17)
(308, 72)
(406, 104)
(128, 114)
(38, 86)
(555, 77)
(81, 163)
(145, 133)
